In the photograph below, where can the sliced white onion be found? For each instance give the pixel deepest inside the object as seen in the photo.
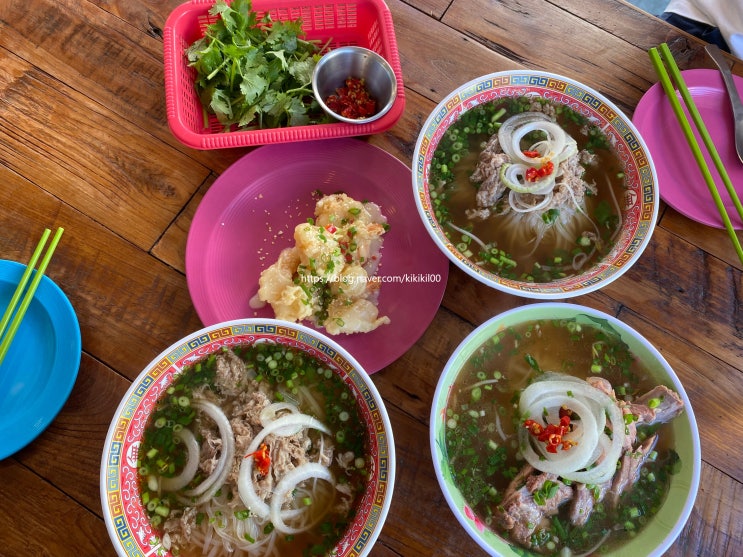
(571, 148)
(506, 131)
(279, 427)
(542, 147)
(289, 483)
(585, 434)
(554, 146)
(594, 458)
(192, 463)
(206, 489)
(514, 177)
(518, 205)
(271, 413)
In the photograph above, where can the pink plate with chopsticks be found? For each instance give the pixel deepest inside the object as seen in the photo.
(41, 365)
(679, 179)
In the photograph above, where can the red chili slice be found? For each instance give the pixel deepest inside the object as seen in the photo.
(352, 101)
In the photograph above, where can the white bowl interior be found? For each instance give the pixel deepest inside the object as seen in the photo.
(665, 526)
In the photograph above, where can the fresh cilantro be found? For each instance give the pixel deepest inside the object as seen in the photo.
(255, 73)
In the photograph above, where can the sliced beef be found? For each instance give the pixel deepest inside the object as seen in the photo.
(581, 506)
(669, 405)
(605, 387)
(289, 452)
(643, 413)
(630, 428)
(520, 514)
(584, 500)
(602, 385)
(629, 470)
(519, 480)
(179, 527)
(487, 173)
(211, 446)
(564, 492)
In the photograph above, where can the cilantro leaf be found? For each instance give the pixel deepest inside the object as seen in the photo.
(253, 72)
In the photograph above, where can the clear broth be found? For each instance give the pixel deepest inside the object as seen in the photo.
(297, 377)
(483, 463)
(456, 158)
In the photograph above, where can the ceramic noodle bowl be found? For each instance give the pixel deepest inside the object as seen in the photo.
(634, 194)
(486, 378)
(134, 483)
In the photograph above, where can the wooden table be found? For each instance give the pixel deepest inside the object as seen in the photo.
(84, 144)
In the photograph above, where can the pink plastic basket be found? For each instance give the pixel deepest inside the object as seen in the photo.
(366, 23)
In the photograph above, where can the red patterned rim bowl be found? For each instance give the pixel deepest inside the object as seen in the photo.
(637, 200)
(126, 478)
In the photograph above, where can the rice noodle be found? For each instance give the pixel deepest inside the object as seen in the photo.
(581, 210)
(596, 546)
(580, 259)
(593, 459)
(617, 208)
(499, 427)
(308, 399)
(463, 231)
(483, 382)
(228, 532)
(192, 463)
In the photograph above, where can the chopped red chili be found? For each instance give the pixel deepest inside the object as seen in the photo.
(552, 434)
(534, 174)
(262, 459)
(352, 101)
(532, 154)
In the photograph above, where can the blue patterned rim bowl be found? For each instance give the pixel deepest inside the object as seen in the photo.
(659, 533)
(639, 203)
(126, 520)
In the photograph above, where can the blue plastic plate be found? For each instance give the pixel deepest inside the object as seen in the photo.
(40, 368)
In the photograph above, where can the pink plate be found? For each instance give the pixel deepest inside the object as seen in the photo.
(679, 179)
(248, 216)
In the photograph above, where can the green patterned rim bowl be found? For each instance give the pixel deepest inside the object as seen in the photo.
(658, 535)
(126, 519)
(641, 200)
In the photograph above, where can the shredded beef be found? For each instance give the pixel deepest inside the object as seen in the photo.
(231, 375)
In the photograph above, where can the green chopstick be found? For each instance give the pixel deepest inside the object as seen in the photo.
(668, 87)
(22, 284)
(8, 331)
